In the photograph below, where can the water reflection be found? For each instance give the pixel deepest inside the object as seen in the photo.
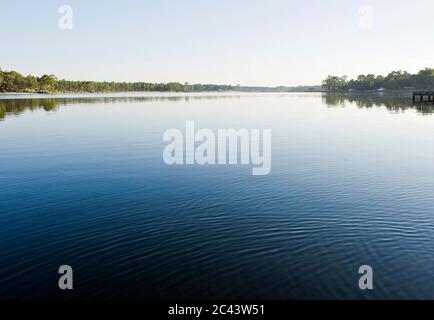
(88, 187)
(398, 102)
(17, 106)
(393, 102)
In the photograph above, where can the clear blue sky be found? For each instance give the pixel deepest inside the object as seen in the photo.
(249, 42)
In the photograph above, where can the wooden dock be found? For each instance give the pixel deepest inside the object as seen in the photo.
(422, 95)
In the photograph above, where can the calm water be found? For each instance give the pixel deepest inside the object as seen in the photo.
(83, 182)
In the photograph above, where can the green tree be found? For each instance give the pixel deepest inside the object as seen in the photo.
(425, 79)
(31, 83)
(334, 83)
(47, 83)
(12, 82)
(1, 77)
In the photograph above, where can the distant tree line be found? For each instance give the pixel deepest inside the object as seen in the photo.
(280, 89)
(396, 80)
(12, 81)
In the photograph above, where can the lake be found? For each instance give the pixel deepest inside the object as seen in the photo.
(83, 183)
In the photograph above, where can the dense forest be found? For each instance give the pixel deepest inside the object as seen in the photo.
(12, 81)
(396, 80)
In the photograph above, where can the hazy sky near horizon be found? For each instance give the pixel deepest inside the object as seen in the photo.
(248, 42)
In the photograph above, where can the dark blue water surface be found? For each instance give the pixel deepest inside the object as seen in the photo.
(83, 183)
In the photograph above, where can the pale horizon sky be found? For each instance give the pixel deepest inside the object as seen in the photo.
(255, 42)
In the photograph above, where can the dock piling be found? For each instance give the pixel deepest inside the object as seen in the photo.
(422, 95)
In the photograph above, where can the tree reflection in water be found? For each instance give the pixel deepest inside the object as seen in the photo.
(396, 102)
(399, 102)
